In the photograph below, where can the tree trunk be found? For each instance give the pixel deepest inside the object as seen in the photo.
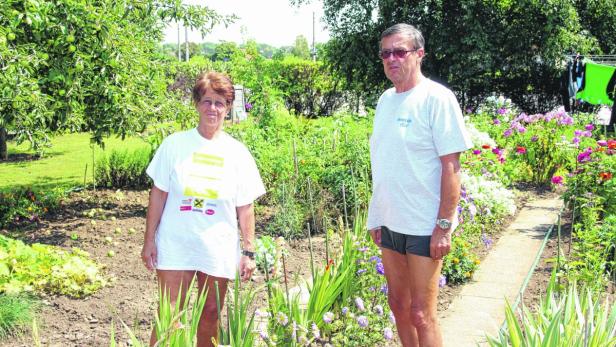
(4, 153)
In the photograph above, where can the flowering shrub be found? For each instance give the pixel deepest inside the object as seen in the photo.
(460, 263)
(27, 205)
(487, 196)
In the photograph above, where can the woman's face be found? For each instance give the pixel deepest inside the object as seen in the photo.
(212, 109)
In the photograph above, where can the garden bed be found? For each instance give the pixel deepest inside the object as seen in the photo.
(132, 296)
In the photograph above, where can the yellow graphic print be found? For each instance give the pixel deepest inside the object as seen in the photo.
(198, 203)
(204, 186)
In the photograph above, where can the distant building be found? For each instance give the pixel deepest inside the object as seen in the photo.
(238, 111)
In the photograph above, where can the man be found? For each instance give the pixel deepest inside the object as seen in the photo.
(414, 151)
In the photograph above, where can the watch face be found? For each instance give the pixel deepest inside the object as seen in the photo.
(444, 223)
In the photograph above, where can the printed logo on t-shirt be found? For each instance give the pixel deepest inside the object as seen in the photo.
(209, 212)
(404, 122)
(185, 208)
(198, 203)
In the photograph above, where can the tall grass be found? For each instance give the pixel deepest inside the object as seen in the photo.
(124, 169)
(16, 314)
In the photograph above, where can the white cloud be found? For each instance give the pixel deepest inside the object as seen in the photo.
(274, 22)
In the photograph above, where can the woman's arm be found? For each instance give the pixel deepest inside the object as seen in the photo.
(246, 217)
(156, 206)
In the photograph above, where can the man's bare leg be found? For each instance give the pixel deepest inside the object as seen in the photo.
(424, 273)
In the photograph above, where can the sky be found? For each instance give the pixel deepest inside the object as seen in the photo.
(274, 22)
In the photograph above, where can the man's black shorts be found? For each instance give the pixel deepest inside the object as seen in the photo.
(403, 244)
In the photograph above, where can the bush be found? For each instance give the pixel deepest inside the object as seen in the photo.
(124, 169)
(25, 205)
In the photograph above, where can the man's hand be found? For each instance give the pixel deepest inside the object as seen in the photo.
(376, 235)
(247, 266)
(148, 255)
(440, 243)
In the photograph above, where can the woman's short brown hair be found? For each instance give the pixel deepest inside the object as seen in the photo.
(218, 82)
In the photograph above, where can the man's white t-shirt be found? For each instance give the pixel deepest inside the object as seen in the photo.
(411, 131)
(205, 180)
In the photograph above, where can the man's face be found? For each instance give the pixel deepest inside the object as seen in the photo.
(400, 70)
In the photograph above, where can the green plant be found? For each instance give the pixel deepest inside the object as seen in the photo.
(26, 205)
(176, 324)
(16, 313)
(238, 330)
(124, 169)
(460, 263)
(572, 318)
(43, 268)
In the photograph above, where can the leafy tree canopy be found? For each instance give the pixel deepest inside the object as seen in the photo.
(85, 65)
(477, 47)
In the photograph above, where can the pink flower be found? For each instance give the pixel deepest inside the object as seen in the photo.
(557, 180)
(589, 127)
(476, 151)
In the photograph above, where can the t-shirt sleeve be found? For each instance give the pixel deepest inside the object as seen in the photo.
(448, 131)
(160, 167)
(250, 185)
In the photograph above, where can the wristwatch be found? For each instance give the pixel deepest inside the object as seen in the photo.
(249, 254)
(443, 223)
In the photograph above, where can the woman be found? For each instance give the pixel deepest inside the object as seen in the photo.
(204, 183)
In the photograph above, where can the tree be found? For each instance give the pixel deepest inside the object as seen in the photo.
(476, 47)
(301, 48)
(599, 18)
(84, 66)
(224, 51)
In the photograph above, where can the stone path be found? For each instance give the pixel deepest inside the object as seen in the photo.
(480, 307)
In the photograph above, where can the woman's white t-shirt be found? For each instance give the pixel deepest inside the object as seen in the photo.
(411, 131)
(205, 180)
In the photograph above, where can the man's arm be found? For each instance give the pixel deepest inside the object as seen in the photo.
(450, 196)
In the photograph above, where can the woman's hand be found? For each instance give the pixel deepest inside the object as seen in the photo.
(148, 255)
(247, 267)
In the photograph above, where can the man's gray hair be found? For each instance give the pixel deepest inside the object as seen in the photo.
(405, 30)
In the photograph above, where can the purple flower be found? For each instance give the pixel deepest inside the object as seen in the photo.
(577, 133)
(602, 143)
(487, 240)
(476, 151)
(392, 318)
(362, 249)
(589, 127)
(584, 156)
(384, 289)
(442, 281)
(557, 180)
(345, 310)
(472, 209)
(566, 120)
(362, 321)
(378, 309)
(497, 151)
(575, 140)
(534, 138)
(315, 331)
(380, 269)
(388, 334)
(502, 110)
(496, 121)
(359, 303)
(375, 258)
(248, 106)
(507, 133)
(328, 317)
(587, 133)
(361, 271)
(521, 129)
(263, 334)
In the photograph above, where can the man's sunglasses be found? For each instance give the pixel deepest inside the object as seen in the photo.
(398, 53)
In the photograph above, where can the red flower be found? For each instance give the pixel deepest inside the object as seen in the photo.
(611, 144)
(329, 263)
(485, 146)
(605, 176)
(520, 150)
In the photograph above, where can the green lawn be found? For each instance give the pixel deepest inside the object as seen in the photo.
(63, 165)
